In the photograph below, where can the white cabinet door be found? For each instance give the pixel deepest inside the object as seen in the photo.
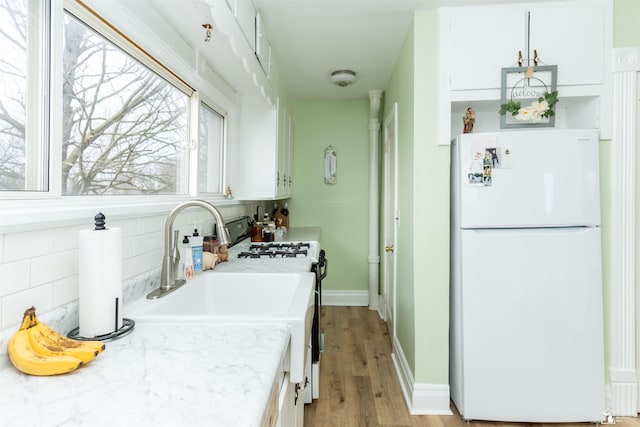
(263, 170)
(289, 157)
(570, 36)
(482, 40)
(246, 18)
(262, 45)
(282, 137)
(287, 404)
(257, 149)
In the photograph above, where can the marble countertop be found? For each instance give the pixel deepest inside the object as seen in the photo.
(159, 375)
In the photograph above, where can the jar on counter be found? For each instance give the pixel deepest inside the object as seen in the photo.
(256, 232)
(210, 244)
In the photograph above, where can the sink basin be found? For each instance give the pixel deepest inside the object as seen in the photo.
(240, 297)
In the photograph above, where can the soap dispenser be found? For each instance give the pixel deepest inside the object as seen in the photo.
(185, 266)
(196, 251)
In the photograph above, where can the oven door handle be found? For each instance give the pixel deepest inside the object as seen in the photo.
(324, 265)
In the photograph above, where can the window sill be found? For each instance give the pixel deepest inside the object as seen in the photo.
(23, 215)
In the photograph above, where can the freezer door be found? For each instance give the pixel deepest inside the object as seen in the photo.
(535, 178)
(532, 325)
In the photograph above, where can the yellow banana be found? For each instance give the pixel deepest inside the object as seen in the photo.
(27, 360)
(54, 339)
(44, 345)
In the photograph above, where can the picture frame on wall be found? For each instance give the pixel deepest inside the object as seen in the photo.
(526, 85)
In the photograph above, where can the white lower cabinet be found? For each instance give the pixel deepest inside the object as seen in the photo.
(290, 404)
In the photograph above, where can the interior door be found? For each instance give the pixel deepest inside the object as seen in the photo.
(390, 217)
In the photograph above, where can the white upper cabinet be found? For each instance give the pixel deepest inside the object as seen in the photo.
(476, 42)
(481, 40)
(263, 168)
(262, 45)
(484, 39)
(246, 17)
(571, 37)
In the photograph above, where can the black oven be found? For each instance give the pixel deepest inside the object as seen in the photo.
(317, 338)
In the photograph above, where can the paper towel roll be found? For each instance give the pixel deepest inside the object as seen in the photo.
(100, 282)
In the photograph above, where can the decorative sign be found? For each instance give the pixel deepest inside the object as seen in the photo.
(521, 91)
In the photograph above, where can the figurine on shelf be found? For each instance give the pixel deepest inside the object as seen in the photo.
(469, 120)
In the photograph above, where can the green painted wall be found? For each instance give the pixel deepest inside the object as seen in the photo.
(341, 210)
(401, 90)
(431, 212)
(626, 15)
(423, 197)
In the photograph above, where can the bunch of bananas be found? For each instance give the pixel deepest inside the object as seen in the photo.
(36, 349)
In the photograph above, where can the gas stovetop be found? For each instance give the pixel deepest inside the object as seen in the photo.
(277, 250)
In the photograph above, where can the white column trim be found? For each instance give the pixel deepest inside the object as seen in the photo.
(375, 97)
(623, 379)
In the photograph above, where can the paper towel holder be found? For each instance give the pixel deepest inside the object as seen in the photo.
(118, 332)
(127, 327)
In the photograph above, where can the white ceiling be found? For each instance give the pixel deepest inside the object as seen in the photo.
(312, 38)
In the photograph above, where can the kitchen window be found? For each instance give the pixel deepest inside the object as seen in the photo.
(125, 127)
(122, 123)
(211, 151)
(24, 41)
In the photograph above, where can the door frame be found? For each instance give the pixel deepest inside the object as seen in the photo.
(389, 216)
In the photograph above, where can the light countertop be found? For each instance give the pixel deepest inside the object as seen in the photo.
(165, 375)
(159, 375)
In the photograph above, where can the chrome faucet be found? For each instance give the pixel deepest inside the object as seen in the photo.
(168, 281)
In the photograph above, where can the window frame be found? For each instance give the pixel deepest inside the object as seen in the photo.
(161, 66)
(37, 141)
(223, 149)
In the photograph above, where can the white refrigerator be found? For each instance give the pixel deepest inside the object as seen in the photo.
(526, 332)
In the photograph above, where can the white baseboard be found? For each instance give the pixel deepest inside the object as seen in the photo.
(353, 298)
(421, 399)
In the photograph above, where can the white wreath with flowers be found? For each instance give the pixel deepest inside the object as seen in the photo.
(538, 110)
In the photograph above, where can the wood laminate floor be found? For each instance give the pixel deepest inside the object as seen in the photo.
(358, 382)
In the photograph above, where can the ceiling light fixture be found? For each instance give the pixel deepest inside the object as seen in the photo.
(343, 78)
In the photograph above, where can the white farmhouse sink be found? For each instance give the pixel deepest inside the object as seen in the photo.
(240, 297)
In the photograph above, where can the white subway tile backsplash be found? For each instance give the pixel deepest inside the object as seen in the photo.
(14, 305)
(48, 268)
(14, 277)
(27, 245)
(132, 267)
(130, 227)
(153, 224)
(65, 290)
(152, 260)
(40, 268)
(66, 238)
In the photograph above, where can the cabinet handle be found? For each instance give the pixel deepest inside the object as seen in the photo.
(278, 179)
(295, 399)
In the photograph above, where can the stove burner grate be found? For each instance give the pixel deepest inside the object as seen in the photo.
(276, 250)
